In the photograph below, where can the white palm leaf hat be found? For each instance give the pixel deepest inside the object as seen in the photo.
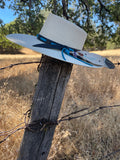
(63, 40)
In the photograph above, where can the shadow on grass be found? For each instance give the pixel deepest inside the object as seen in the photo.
(11, 51)
(20, 85)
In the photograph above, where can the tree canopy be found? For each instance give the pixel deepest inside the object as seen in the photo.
(99, 18)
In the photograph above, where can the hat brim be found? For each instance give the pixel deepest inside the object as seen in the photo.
(31, 42)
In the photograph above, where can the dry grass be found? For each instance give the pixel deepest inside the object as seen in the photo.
(115, 52)
(88, 138)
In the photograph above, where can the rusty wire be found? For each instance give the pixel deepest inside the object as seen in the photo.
(43, 123)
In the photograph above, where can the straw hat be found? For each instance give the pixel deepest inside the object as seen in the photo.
(64, 32)
(63, 40)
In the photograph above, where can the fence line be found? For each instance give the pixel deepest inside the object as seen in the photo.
(44, 123)
(32, 62)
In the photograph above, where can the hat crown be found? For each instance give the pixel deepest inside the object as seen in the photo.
(64, 32)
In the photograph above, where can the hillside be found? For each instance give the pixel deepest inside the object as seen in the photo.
(88, 138)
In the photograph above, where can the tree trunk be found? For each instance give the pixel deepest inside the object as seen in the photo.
(53, 78)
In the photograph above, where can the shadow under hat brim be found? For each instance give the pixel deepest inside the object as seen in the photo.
(32, 42)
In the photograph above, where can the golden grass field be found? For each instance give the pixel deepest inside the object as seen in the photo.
(88, 138)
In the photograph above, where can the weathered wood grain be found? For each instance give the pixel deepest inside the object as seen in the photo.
(53, 78)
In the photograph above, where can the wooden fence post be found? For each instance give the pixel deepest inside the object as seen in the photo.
(53, 78)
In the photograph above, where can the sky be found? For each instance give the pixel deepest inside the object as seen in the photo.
(7, 15)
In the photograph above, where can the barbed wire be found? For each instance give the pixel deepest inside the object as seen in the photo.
(68, 117)
(31, 62)
(117, 63)
(43, 123)
(16, 64)
(15, 129)
(110, 154)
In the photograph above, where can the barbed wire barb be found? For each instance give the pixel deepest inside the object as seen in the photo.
(6, 132)
(11, 134)
(21, 63)
(15, 129)
(43, 123)
(67, 117)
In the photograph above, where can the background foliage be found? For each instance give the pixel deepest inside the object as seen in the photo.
(99, 18)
